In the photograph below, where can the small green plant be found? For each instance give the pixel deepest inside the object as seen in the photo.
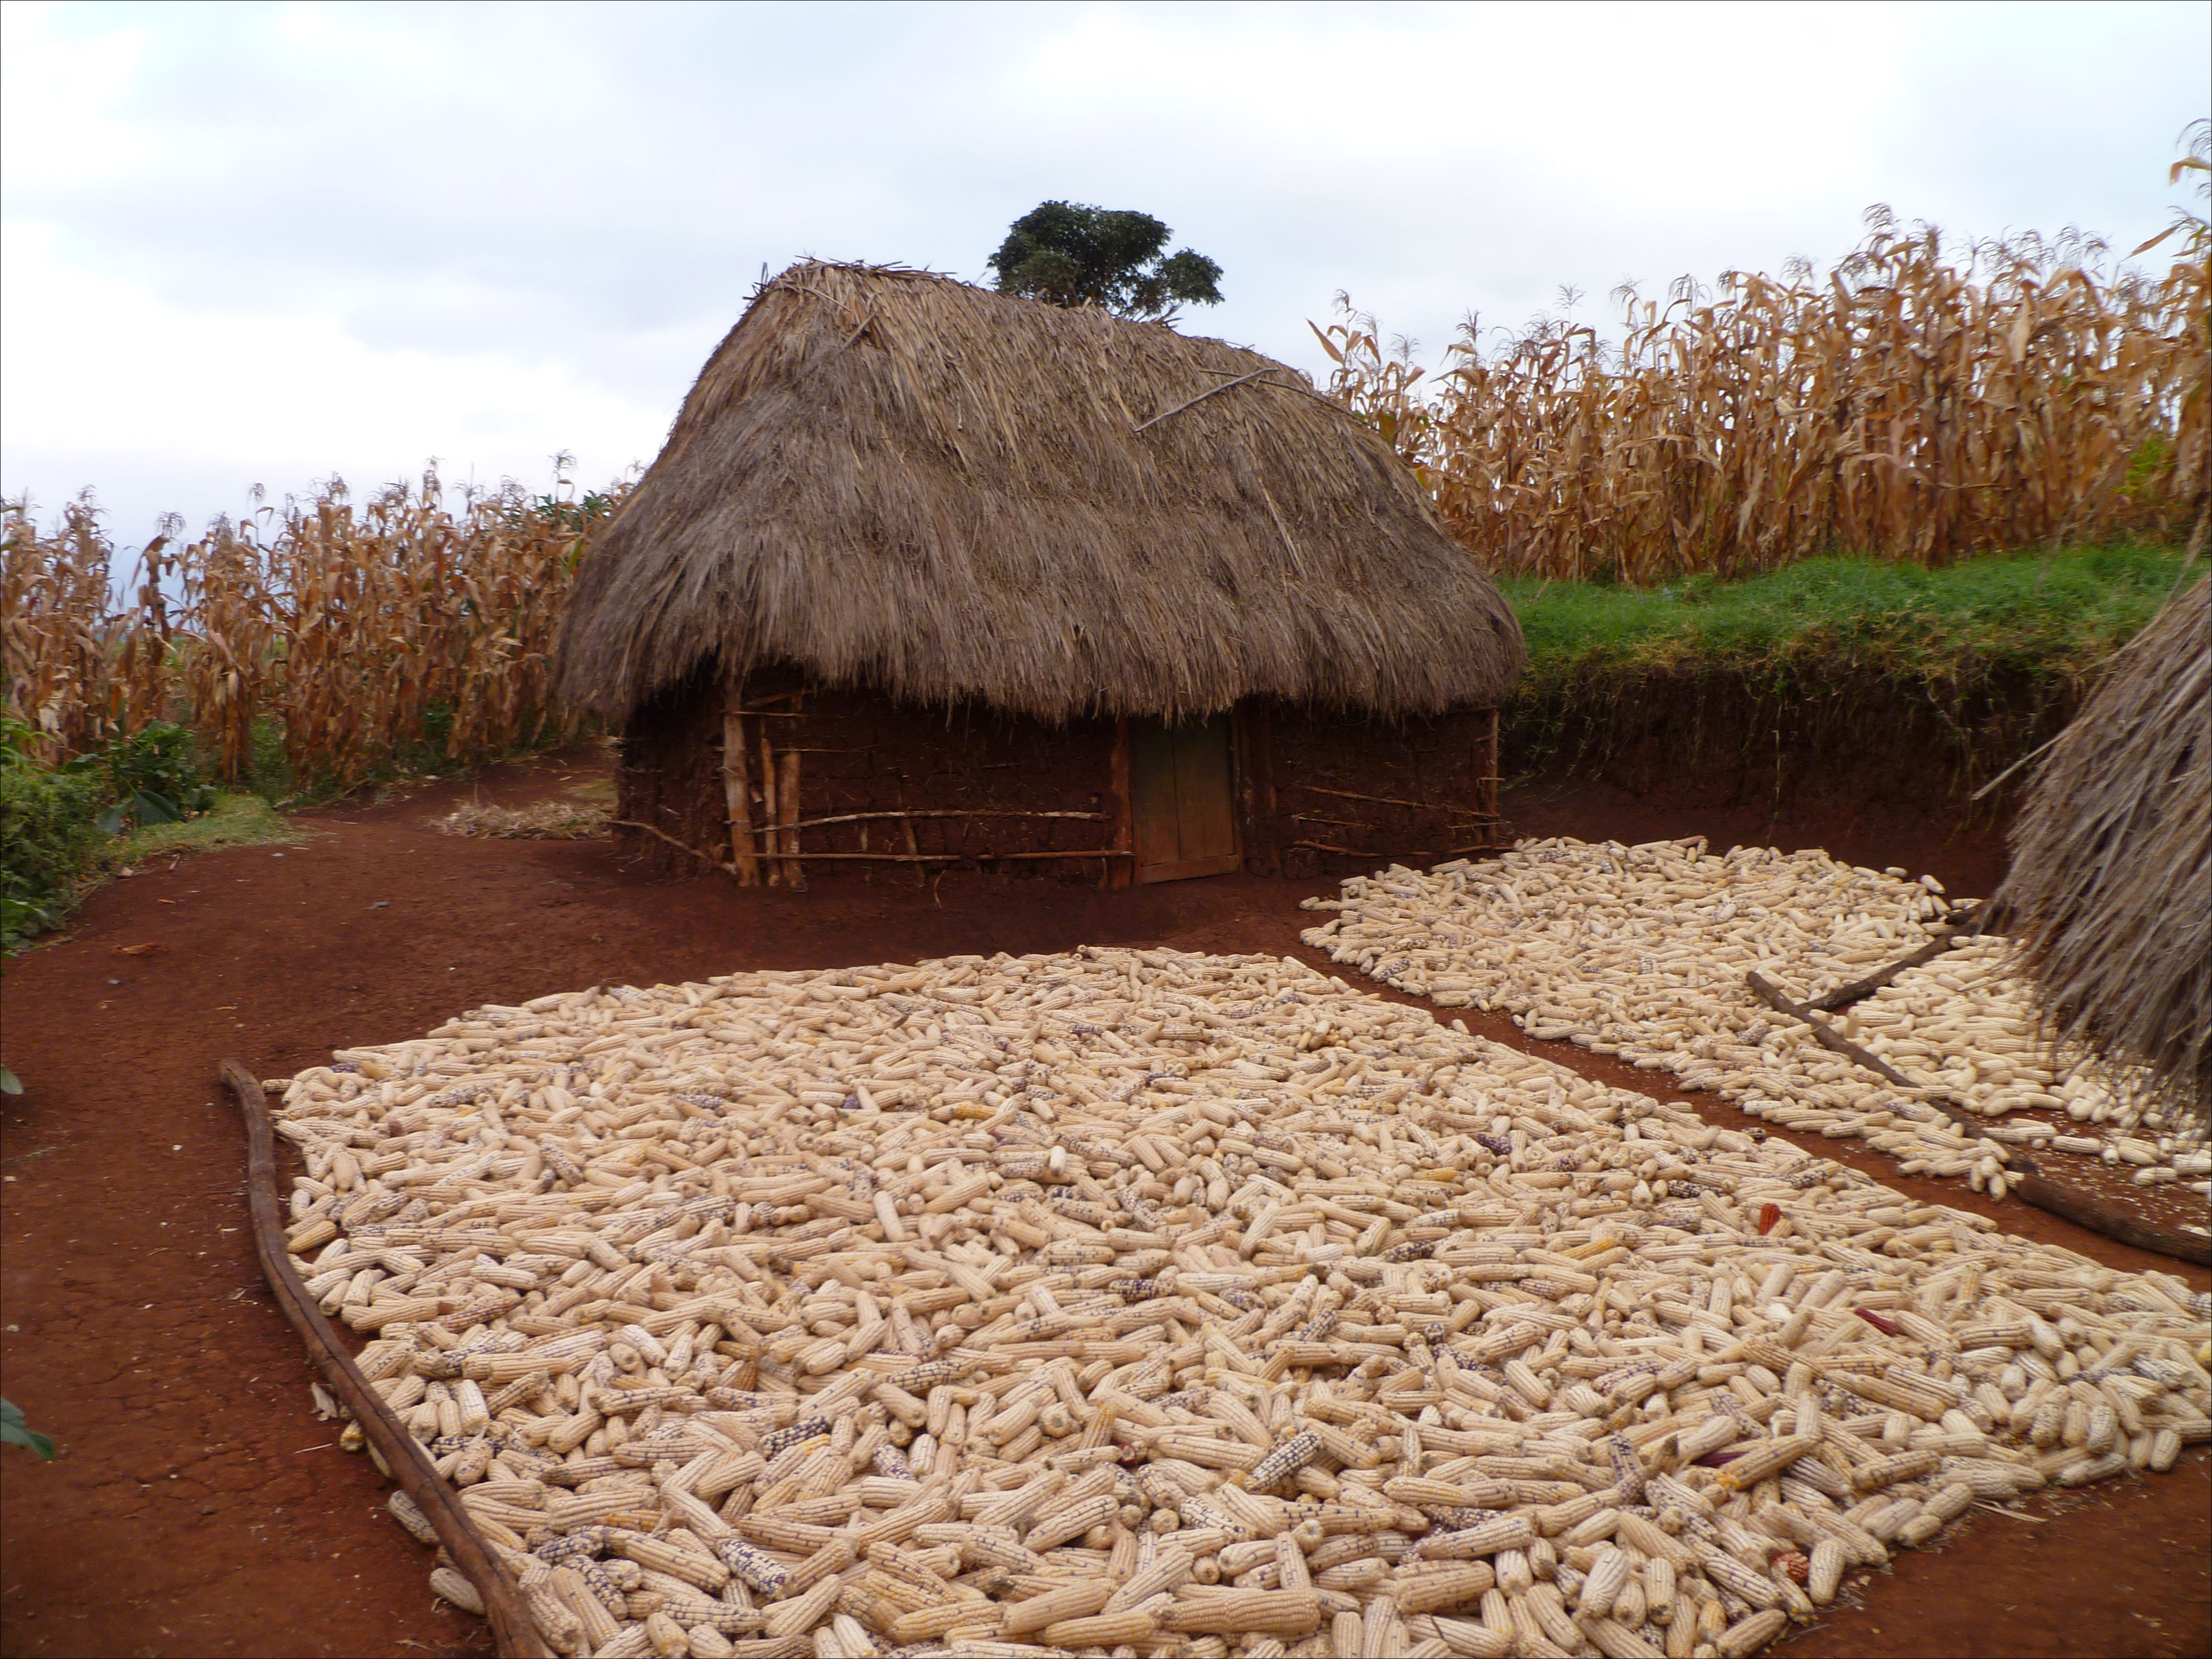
(153, 777)
(14, 1432)
(268, 768)
(47, 833)
(57, 822)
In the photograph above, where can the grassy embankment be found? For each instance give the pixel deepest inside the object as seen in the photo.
(1833, 656)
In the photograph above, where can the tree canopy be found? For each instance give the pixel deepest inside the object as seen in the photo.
(1072, 255)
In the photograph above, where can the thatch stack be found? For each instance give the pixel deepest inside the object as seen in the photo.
(896, 479)
(2111, 877)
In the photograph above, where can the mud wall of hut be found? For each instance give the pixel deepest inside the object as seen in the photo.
(913, 788)
(1337, 794)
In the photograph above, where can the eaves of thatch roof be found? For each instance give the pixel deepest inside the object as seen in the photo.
(897, 479)
(2111, 885)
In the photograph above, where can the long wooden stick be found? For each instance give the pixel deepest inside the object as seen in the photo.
(2086, 1210)
(514, 1632)
(1209, 392)
(2013, 767)
(680, 846)
(1828, 1037)
(771, 870)
(1391, 800)
(879, 858)
(946, 812)
(787, 817)
(964, 858)
(1859, 989)
(2082, 1208)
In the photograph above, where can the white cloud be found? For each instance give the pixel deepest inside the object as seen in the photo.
(111, 380)
(262, 243)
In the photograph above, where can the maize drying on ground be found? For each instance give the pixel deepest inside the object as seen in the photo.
(1643, 952)
(1130, 1300)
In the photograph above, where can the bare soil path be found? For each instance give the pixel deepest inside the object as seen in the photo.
(200, 1508)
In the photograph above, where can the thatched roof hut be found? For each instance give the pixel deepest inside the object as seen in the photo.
(896, 479)
(1023, 583)
(2111, 879)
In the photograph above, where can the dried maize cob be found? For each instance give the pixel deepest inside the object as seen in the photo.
(685, 1369)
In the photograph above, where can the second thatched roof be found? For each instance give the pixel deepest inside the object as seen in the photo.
(2112, 876)
(898, 479)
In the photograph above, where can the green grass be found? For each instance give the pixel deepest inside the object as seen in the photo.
(2057, 613)
(233, 820)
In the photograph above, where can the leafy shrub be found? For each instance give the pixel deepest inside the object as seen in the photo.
(153, 777)
(53, 819)
(47, 836)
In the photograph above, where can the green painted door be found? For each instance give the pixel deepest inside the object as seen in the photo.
(1183, 798)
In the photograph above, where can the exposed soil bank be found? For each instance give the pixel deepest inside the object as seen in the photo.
(200, 1508)
(1878, 769)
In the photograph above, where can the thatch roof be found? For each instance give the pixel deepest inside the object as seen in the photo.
(2111, 875)
(897, 479)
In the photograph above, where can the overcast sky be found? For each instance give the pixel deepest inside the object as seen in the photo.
(264, 244)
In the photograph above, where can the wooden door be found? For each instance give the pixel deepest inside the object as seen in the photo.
(1183, 798)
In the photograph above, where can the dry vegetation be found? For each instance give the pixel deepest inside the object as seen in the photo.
(346, 631)
(544, 820)
(2113, 859)
(1919, 403)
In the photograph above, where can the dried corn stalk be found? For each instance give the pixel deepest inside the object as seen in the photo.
(353, 628)
(1919, 402)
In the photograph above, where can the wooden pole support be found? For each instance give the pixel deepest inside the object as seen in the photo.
(771, 870)
(737, 790)
(787, 819)
(514, 1633)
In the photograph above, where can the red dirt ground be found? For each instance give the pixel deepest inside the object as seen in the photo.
(199, 1507)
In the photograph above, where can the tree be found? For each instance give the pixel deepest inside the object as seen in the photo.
(1071, 255)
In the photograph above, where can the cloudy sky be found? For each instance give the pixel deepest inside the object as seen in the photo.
(265, 244)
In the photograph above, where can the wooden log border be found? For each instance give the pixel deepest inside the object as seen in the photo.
(514, 1633)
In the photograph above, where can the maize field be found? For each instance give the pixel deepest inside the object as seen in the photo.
(1642, 953)
(1917, 404)
(347, 629)
(1175, 1303)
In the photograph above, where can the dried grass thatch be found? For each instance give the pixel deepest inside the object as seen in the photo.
(897, 479)
(2111, 876)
